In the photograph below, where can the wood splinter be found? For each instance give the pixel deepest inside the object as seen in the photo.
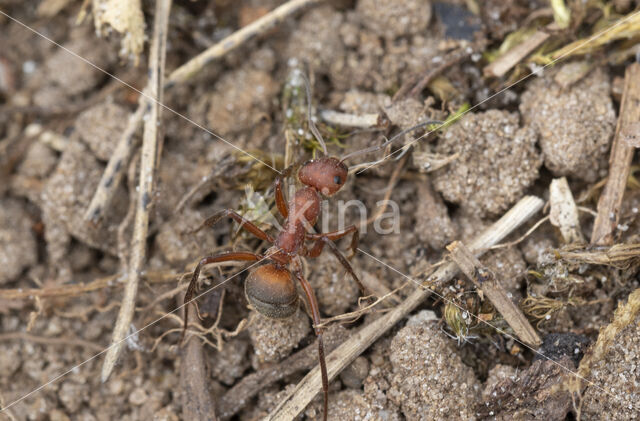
(620, 159)
(487, 281)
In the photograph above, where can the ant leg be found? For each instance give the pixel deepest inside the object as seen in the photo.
(315, 316)
(222, 257)
(333, 236)
(343, 260)
(244, 223)
(281, 202)
(323, 239)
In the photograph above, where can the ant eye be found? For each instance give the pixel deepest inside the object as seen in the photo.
(337, 179)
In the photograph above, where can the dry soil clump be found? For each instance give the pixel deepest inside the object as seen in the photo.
(240, 100)
(619, 373)
(575, 125)
(67, 194)
(391, 19)
(497, 160)
(17, 242)
(429, 380)
(275, 339)
(101, 126)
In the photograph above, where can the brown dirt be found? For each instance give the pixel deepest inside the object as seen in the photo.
(60, 120)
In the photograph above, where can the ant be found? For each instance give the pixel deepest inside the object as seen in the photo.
(270, 288)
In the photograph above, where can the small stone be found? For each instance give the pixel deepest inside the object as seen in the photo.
(496, 375)
(355, 373)
(72, 395)
(101, 126)
(38, 162)
(433, 224)
(58, 415)
(176, 242)
(116, 386)
(509, 267)
(405, 113)
(165, 414)
(138, 396)
(63, 69)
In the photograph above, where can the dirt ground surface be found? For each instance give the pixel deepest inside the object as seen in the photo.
(392, 64)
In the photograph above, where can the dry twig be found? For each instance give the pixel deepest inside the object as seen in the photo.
(490, 286)
(116, 166)
(500, 66)
(233, 41)
(619, 161)
(620, 256)
(197, 402)
(337, 360)
(150, 147)
(62, 341)
(73, 290)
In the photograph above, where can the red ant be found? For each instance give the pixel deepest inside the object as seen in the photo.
(270, 288)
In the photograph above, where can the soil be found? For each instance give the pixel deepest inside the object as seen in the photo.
(60, 122)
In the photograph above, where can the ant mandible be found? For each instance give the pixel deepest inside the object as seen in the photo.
(270, 287)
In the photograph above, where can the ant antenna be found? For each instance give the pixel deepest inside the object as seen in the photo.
(389, 141)
(312, 125)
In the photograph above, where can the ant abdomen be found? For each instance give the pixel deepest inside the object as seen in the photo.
(271, 291)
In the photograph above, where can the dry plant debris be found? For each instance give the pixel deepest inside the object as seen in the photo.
(125, 17)
(492, 288)
(152, 140)
(619, 162)
(535, 393)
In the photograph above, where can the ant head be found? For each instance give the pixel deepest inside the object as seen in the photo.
(327, 175)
